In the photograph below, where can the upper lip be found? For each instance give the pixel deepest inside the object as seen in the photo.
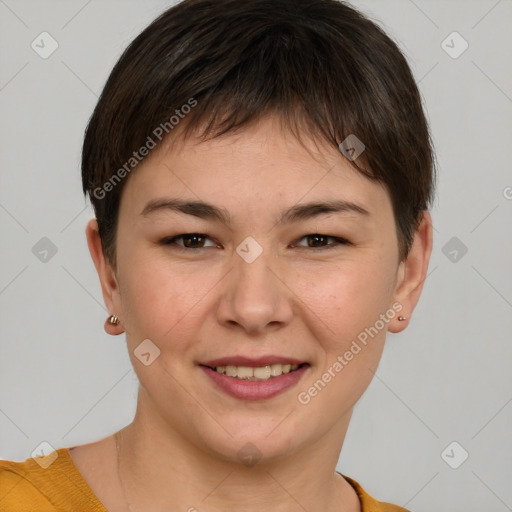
(251, 361)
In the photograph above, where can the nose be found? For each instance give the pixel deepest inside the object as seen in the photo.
(255, 297)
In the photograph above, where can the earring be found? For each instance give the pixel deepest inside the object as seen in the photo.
(402, 318)
(113, 320)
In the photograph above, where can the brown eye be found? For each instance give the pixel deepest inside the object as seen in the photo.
(190, 241)
(193, 240)
(319, 241)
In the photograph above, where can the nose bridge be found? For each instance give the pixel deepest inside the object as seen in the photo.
(254, 274)
(254, 297)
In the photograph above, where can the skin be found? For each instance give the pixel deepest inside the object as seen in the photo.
(294, 300)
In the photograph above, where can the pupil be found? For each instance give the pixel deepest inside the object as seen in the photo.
(192, 240)
(317, 240)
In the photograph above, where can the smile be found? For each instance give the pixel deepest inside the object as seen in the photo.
(254, 378)
(258, 373)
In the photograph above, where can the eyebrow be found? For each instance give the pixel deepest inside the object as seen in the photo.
(310, 210)
(196, 208)
(208, 211)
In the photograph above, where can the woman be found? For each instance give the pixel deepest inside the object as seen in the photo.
(261, 174)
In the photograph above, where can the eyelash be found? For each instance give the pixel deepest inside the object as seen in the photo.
(338, 241)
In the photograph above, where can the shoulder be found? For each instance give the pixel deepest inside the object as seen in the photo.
(19, 489)
(369, 504)
(47, 483)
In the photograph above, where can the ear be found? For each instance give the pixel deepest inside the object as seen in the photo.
(108, 280)
(412, 273)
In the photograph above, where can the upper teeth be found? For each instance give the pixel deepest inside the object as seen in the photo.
(258, 373)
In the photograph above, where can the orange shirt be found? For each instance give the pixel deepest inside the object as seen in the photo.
(28, 487)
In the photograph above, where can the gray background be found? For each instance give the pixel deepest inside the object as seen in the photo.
(446, 378)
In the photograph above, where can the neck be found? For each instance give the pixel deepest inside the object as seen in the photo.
(161, 469)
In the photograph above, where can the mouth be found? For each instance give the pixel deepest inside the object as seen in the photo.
(258, 373)
(254, 379)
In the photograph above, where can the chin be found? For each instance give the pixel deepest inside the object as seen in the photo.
(261, 440)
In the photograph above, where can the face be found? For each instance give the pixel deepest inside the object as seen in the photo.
(252, 255)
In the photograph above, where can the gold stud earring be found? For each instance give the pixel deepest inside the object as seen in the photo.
(113, 320)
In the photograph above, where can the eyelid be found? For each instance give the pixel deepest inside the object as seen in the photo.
(173, 241)
(338, 241)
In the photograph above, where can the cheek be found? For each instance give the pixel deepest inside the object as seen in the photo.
(349, 303)
(347, 299)
(161, 304)
(161, 301)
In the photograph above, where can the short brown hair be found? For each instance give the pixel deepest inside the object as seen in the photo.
(318, 64)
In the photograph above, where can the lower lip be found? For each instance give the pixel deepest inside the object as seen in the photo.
(255, 389)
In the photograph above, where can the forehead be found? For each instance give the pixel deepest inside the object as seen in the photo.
(256, 167)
